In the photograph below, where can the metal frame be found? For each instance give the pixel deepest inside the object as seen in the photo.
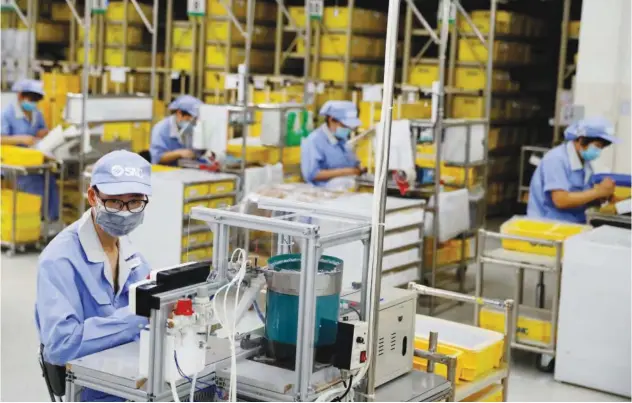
(460, 392)
(521, 261)
(522, 187)
(563, 71)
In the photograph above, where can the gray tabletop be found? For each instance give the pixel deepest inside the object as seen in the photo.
(415, 386)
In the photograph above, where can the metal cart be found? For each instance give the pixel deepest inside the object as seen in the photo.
(596, 218)
(13, 172)
(501, 374)
(520, 261)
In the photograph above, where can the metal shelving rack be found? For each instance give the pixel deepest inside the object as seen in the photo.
(442, 88)
(564, 71)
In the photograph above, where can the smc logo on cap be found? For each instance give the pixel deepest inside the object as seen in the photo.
(118, 170)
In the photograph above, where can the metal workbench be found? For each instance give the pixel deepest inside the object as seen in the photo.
(597, 218)
(115, 371)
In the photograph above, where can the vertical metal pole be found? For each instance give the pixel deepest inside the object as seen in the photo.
(154, 50)
(85, 82)
(14, 216)
(278, 38)
(159, 378)
(454, 37)
(153, 335)
(478, 293)
(364, 307)
(307, 362)
(73, 37)
(556, 295)
(316, 65)
(561, 70)
(438, 139)
(201, 55)
(511, 312)
(349, 33)
(250, 17)
(408, 33)
(168, 45)
(300, 335)
(432, 347)
(308, 50)
(32, 37)
(125, 27)
(379, 203)
(46, 201)
(488, 100)
(194, 55)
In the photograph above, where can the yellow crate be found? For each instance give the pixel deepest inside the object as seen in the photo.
(506, 22)
(182, 60)
(475, 362)
(472, 50)
(447, 252)
(28, 228)
(421, 364)
(27, 204)
(114, 57)
(338, 18)
(465, 106)
(20, 156)
(263, 11)
(293, 178)
(492, 393)
(573, 29)
(60, 12)
(335, 71)
(199, 238)
(254, 154)
(58, 83)
(533, 325)
(622, 193)
(216, 57)
(196, 190)
(116, 12)
(417, 110)
(221, 202)
(221, 187)
(50, 32)
(291, 156)
(115, 35)
(189, 206)
(162, 168)
(423, 75)
(538, 229)
(196, 255)
(474, 78)
(336, 45)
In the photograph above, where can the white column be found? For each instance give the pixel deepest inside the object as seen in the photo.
(602, 83)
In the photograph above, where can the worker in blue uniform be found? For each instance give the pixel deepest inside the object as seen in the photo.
(326, 158)
(23, 125)
(560, 187)
(172, 137)
(84, 274)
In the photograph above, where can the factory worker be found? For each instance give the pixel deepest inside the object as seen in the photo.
(560, 187)
(172, 137)
(23, 125)
(326, 158)
(84, 274)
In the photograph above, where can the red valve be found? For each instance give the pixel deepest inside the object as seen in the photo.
(362, 356)
(184, 307)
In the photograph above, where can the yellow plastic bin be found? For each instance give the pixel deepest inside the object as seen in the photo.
(440, 369)
(20, 156)
(533, 324)
(492, 393)
(538, 229)
(482, 349)
(27, 204)
(28, 228)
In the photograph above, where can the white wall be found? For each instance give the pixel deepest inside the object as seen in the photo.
(602, 84)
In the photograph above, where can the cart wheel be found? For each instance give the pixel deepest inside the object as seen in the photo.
(22, 249)
(39, 246)
(10, 253)
(545, 363)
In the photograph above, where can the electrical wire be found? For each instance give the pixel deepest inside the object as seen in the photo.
(339, 399)
(259, 313)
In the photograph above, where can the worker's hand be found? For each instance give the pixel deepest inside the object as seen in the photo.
(42, 133)
(355, 171)
(187, 154)
(25, 140)
(606, 188)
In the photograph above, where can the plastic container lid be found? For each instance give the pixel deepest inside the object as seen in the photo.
(467, 337)
(619, 179)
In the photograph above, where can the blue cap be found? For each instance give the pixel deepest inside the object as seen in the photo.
(28, 85)
(344, 112)
(596, 127)
(186, 103)
(122, 172)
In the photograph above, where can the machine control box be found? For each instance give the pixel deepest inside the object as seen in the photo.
(351, 345)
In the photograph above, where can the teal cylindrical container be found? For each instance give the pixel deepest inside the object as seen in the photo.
(283, 279)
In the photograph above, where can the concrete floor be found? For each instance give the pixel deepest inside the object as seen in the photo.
(21, 377)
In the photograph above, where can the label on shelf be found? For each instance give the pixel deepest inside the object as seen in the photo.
(99, 6)
(372, 93)
(231, 81)
(196, 8)
(117, 74)
(316, 8)
(7, 5)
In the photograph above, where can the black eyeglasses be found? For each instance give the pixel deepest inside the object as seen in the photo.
(116, 206)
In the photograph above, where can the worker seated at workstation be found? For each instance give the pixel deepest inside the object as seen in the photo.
(172, 137)
(84, 274)
(326, 158)
(561, 187)
(23, 125)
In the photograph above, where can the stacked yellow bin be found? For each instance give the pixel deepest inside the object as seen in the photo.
(27, 212)
(57, 86)
(138, 133)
